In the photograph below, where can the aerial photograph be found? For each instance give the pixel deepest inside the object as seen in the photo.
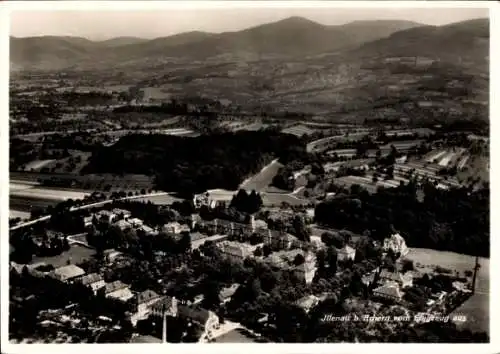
(249, 175)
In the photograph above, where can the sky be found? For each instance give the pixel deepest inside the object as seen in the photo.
(100, 25)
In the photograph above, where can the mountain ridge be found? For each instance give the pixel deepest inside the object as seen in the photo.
(294, 36)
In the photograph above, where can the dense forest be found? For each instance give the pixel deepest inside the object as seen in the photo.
(456, 220)
(193, 165)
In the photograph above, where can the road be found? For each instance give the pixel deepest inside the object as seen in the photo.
(87, 206)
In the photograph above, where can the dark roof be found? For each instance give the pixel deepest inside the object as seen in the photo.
(91, 278)
(164, 304)
(197, 314)
(146, 296)
(228, 291)
(116, 285)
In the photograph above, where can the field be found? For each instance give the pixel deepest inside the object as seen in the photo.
(366, 182)
(75, 255)
(19, 214)
(269, 199)
(477, 307)
(155, 93)
(48, 194)
(37, 165)
(261, 180)
(298, 130)
(159, 199)
(92, 182)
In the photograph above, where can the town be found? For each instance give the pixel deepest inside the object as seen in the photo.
(306, 198)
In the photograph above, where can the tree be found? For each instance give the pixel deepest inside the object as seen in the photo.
(407, 265)
(300, 229)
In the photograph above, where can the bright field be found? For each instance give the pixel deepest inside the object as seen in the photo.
(76, 254)
(262, 179)
(477, 307)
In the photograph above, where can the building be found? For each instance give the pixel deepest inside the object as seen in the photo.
(112, 255)
(226, 293)
(165, 306)
(123, 224)
(397, 244)
(106, 216)
(147, 229)
(93, 281)
(135, 222)
(307, 270)
(143, 304)
(235, 251)
(280, 240)
(389, 292)
(118, 290)
(402, 280)
(308, 302)
(67, 273)
(87, 221)
(175, 228)
(208, 320)
(122, 212)
(346, 253)
(204, 200)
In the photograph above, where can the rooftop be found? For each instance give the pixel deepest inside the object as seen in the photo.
(146, 296)
(68, 272)
(389, 290)
(114, 286)
(91, 278)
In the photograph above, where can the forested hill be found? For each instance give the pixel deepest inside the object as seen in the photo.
(455, 220)
(193, 165)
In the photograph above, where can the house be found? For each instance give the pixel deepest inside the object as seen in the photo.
(125, 213)
(94, 281)
(307, 302)
(226, 293)
(235, 251)
(147, 230)
(118, 290)
(165, 306)
(135, 222)
(175, 228)
(258, 224)
(346, 253)
(369, 278)
(307, 270)
(208, 320)
(280, 240)
(111, 255)
(143, 304)
(389, 292)
(106, 216)
(403, 281)
(67, 273)
(123, 224)
(87, 221)
(397, 244)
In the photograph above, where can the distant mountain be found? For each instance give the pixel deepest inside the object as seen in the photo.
(295, 36)
(120, 41)
(466, 40)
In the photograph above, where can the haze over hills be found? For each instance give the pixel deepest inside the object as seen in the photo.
(292, 36)
(466, 40)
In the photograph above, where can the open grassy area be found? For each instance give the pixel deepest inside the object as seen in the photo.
(75, 255)
(261, 180)
(476, 309)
